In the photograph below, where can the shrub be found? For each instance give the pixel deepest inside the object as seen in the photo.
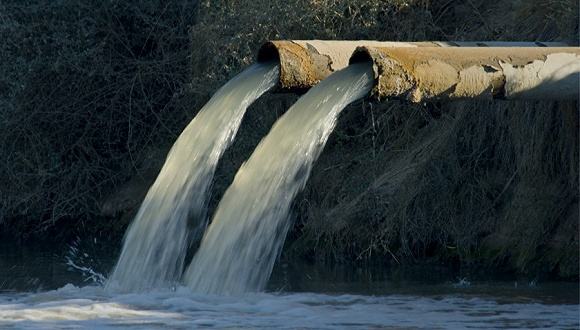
(93, 94)
(89, 89)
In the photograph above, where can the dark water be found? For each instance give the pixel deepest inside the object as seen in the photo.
(41, 267)
(58, 287)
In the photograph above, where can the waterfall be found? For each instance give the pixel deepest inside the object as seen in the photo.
(239, 248)
(173, 212)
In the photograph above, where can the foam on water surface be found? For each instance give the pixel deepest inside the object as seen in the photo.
(94, 307)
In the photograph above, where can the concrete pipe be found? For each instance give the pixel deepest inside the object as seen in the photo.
(304, 63)
(474, 73)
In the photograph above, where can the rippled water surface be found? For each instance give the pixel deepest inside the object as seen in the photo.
(34, 294)
(92, 307)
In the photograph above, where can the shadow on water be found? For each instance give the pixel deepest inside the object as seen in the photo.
(42, 267)
(434, 281)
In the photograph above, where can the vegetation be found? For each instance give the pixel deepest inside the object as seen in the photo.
(87, 91)
(93, 94)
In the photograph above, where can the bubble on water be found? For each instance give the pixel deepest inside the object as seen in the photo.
(462, 282)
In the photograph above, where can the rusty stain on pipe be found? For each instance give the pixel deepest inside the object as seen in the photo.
(484, 73)
(304, 63)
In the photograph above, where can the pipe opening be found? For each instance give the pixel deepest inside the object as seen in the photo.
(361, 55)
(268, 52)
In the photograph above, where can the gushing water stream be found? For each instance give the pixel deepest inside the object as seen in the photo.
(173, 211)
(240, 246)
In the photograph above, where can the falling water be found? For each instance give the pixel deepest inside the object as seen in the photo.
(240, 247)
(173, 211)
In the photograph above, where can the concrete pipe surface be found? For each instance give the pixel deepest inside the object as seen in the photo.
(304, 63)
(546, 73)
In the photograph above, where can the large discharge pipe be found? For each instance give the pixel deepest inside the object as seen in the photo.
(474, 73)
(304, 63)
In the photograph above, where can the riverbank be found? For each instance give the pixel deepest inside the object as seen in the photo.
(89, 115)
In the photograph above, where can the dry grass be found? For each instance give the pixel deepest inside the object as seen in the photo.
(468, 182)
(489, 182)
(92, 96)
(88, 91)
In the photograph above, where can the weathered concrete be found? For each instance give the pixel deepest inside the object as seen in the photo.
(304, 63)
(474, 73)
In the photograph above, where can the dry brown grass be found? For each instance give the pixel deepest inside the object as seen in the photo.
(491, 182)
(92, 96)
(468, 182)
(88, 91)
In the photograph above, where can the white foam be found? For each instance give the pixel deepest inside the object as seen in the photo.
(93, 307)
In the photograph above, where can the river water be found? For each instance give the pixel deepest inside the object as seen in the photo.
(57, 288)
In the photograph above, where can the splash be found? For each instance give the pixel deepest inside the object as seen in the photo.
(173, 212)
(92, 308)
(239, 249)
(78, 260)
